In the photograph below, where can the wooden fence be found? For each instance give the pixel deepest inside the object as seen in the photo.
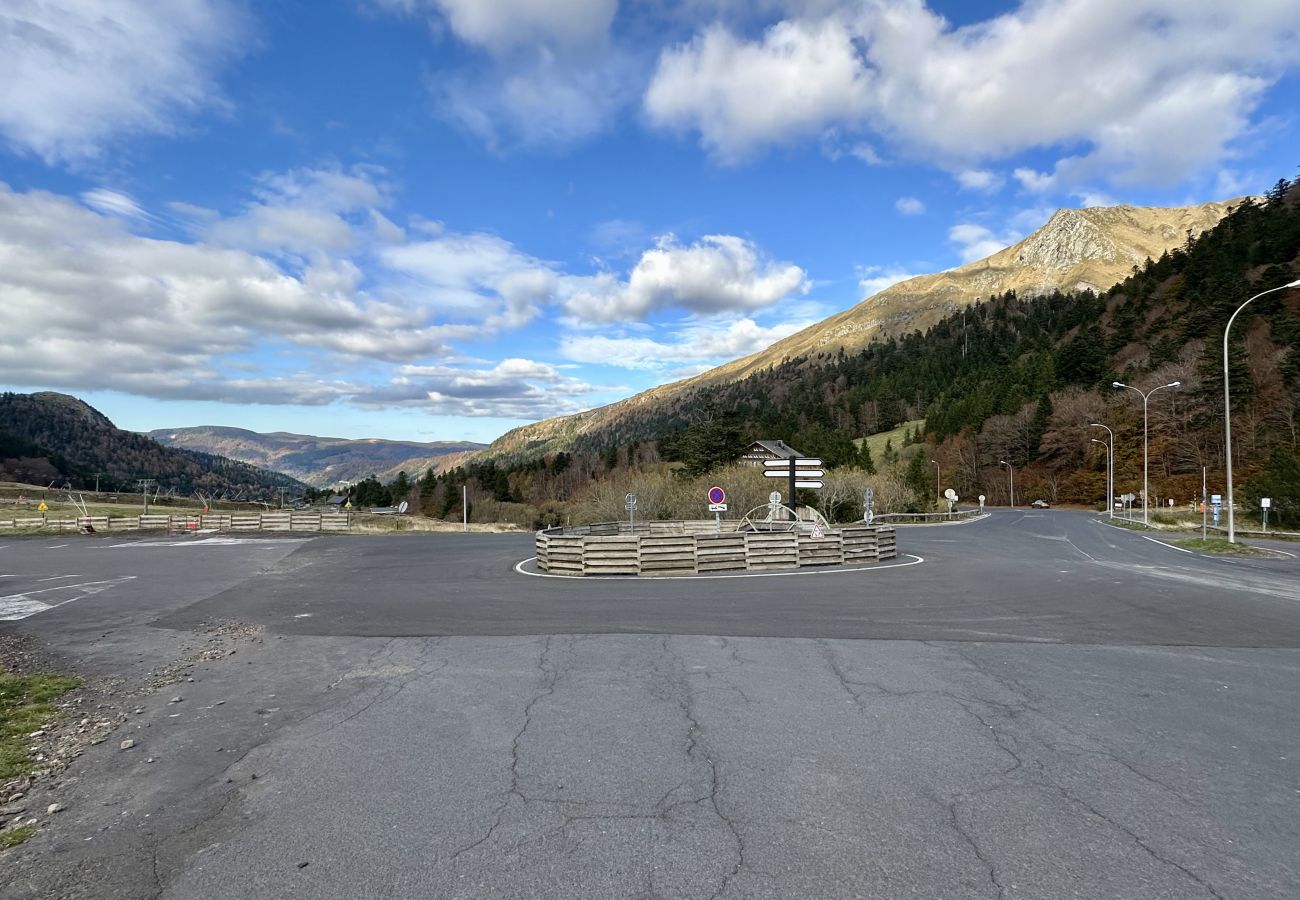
(685, 548)
(268, 521)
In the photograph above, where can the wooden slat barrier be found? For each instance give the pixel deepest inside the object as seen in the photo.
(575, 551)
(611, 555)
(564, 555)
(772, 550)
(719, 552)
(887, 547)
(178, 524)
(827, 550)
(667, 555)
(860, 544)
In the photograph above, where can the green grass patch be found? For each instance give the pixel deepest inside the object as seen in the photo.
(15, 836)
(877, 441)
(1131, 526)
(25, 705)
(1219, 546)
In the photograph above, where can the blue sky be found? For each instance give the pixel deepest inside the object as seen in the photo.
(439, 219)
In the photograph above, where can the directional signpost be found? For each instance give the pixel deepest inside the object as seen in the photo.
(799, 471)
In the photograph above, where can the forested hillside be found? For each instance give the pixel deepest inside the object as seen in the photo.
(48, 437)
(1012, 379)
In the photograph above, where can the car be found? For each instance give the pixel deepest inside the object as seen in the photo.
(1041, 504)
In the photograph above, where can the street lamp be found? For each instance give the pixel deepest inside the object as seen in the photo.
(1011, 473)
(1227, 403)
(938, 488)
(1104, 447)
(1146, 486)
(1110, 469)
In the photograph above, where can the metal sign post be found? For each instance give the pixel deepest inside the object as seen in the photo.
(717, 505)
(629, 503)
(1264, 504)
(1203, 497)
(868, 502)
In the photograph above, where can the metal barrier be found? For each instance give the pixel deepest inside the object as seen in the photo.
(927, 518)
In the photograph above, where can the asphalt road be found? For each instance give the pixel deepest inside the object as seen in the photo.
(1044, 706)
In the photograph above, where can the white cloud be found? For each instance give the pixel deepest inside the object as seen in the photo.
(799, 79)
(500, 25)
(1034, 181)
(550, 75)
(718, 273)
(514, 388)
(1151, 90)
(874, 279)
(909, 206)
(979, 180)
(309, 211)
(976, 241)
(695, 343)
(78, 74)
(113, 203)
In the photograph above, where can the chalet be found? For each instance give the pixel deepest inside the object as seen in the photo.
(761, 451)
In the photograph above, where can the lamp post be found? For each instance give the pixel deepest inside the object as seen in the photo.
(1146, 484)
(1227, 403)
(938, 487)
(1104, 447)
(1110, 469)
(1011, 474)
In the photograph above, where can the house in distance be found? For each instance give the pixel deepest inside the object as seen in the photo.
(760, 452)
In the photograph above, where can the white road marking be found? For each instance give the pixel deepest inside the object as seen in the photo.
(1163, 544)
(207, 542)
(20, 606)
(519, 567)
(59, 577)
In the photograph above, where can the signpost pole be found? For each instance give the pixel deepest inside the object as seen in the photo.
(1204, 499)
(794, 496)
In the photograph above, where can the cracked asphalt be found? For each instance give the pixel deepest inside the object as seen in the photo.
(1045, 707)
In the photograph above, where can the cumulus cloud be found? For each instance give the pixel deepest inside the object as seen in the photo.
(909, 206)
(78, 74)
(705, 344)
(979, 180)
(874, 279)
(514, 389)
(1152, 90)
(977, 241)
(718, 273)
(800, 78)
(549, 74)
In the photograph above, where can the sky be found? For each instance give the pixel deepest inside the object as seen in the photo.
(440, 219)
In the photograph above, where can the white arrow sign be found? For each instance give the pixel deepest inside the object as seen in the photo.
(798, 473)
(807, 484)
(785, 463)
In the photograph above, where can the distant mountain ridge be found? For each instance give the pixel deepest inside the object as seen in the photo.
(48, 436)
(1076, 249)
(320, 461)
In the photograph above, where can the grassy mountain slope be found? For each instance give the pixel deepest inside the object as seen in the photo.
(319, 461)
(1018, 379)
(49, 436)
(1077, 249)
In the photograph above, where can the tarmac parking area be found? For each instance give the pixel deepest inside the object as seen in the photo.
(1039, 706)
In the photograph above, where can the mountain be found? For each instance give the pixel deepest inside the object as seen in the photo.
(1010, 380)
(48, 437)
(320, 461)
(1077, 249)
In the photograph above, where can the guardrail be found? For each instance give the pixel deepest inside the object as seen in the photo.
(276, 521)
(683, 548)
(960, 515)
